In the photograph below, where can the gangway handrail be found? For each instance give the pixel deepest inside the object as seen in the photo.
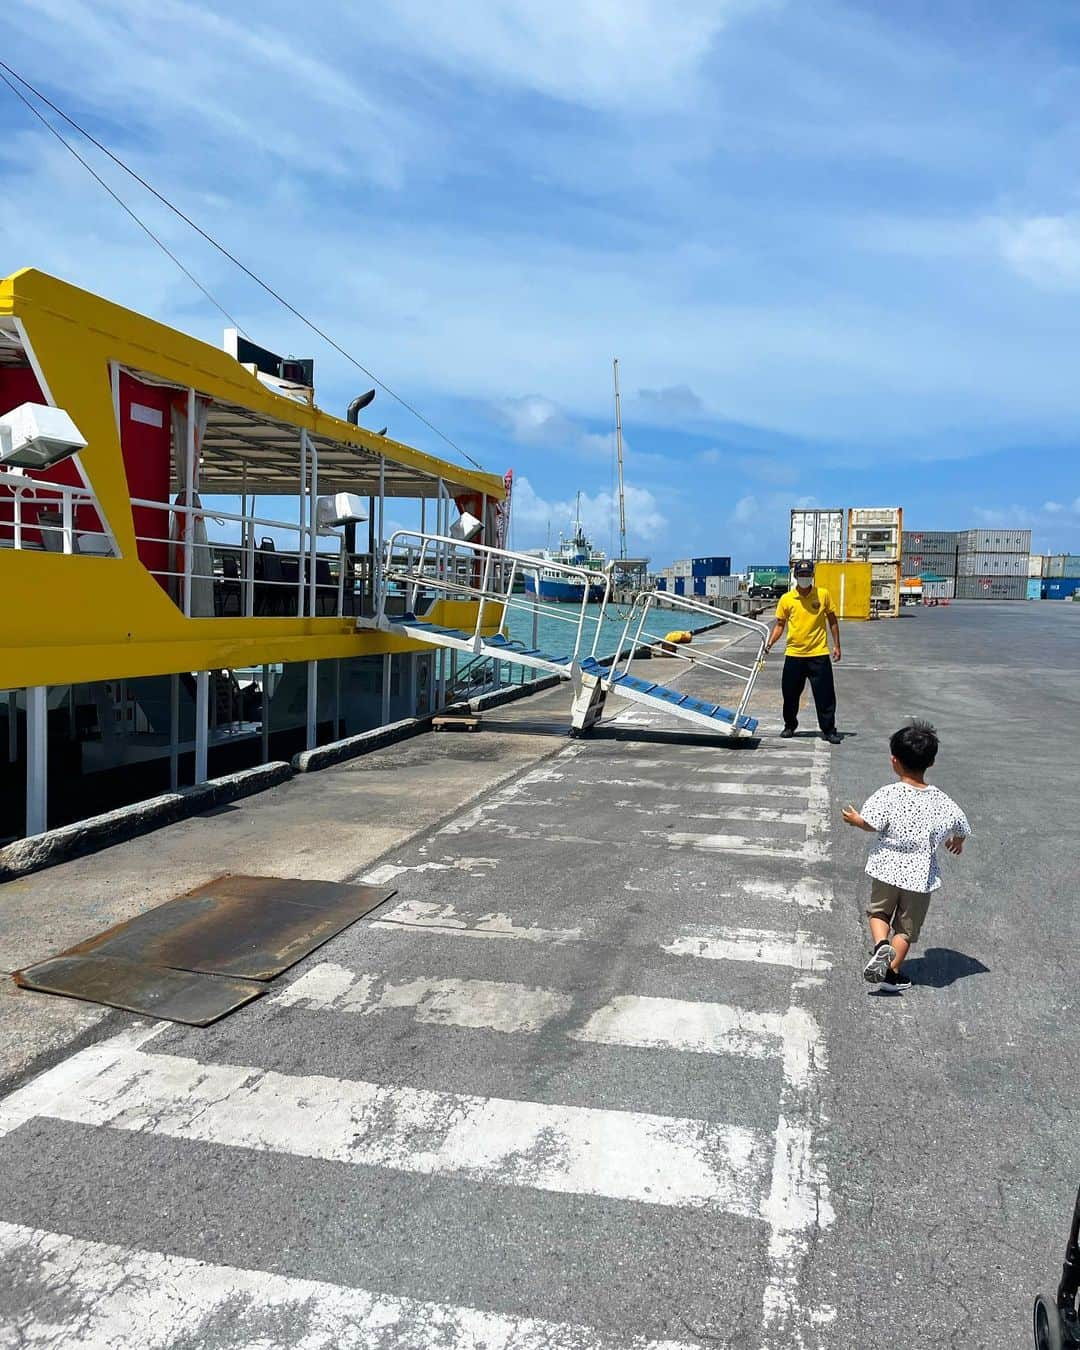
(498, 568)
(645, 600)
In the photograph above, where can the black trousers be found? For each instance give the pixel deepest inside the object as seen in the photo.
(818, 670)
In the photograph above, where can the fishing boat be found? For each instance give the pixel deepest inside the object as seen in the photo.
(577, 551)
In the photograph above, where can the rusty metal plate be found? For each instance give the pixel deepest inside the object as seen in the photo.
(175, 995)
(249, 927)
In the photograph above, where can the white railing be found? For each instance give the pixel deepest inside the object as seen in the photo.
(260, 579)
(721, 663)
(34, 506)
(429, 566)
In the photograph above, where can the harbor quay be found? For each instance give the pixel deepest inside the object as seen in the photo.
(601, 1069)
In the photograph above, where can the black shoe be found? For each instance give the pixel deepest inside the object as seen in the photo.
(787, 733)
(833, 737)
(878, 969)
(896, 980)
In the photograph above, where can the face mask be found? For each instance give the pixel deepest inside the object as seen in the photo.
(804, 583)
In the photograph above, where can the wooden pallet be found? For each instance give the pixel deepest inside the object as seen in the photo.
(455, 722)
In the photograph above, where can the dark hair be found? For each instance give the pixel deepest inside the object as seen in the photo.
(915, 746)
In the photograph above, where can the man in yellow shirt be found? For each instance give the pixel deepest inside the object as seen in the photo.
(804, 612)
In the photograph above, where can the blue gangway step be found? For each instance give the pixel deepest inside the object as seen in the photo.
(714, 711)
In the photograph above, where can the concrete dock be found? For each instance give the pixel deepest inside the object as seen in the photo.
(604, 1072)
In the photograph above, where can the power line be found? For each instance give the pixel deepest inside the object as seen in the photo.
(115, 196)
(211, 241)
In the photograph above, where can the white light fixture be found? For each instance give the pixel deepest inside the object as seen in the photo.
(343, 508)
(36, 436)
(465, 528)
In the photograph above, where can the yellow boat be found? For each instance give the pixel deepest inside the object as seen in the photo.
(154, 560)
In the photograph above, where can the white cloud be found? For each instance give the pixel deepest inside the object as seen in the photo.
(532, 515)
(1045, 250)
(746, 510)
(677, 401)
(601, 53)
(535, 420)
(1052, 508)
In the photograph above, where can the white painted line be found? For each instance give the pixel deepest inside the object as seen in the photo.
(622, 1155)
(809, 792)
(808, 851)
(807, 892)
(387, 872)
(800, 951)
(762, 814)
(680, 1024)
(740, 769)
(485, 1004)
(96, 1294)
(420, 915)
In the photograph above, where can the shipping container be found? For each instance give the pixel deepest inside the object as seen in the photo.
(698, 586)
(683, 567)
(992, 564)
(1061, 588)
(1036, 563)
(759, 575)
(680, 585)
(1035, 588)
(722, 586)
(662, 583)
(995, 541)
(885, 588)
(874, 533)
(711, 567)
(1062, 565)
(817, 535)
(849, 586)
(991, 588)
(939, 590)
(916, 564)
(930, 541)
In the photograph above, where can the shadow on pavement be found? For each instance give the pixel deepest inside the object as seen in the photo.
(938, 967)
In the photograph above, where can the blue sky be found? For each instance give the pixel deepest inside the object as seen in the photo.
(836, 247)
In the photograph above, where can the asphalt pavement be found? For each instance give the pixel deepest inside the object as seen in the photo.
(604, 1072)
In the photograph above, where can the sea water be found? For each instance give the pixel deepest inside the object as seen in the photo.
(556, 626)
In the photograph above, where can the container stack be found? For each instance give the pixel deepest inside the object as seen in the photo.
(992, 564)
(703, 570)
(817, 535)
(768, 574)
(1059, 577)
(875, 535)
(931, 556)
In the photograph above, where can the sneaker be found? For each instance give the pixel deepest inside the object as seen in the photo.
(787, 733)
(877, 969)
(897, 980)
(833, 737)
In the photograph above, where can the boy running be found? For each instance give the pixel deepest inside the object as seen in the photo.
(911, 820)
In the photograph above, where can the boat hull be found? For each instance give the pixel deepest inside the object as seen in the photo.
(563, 592)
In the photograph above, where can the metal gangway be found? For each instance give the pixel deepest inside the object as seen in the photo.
(599, 681)
(420, 570)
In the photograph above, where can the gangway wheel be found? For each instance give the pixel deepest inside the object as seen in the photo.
(1050, 1332)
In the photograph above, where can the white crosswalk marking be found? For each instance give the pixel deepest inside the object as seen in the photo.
(626, 1155)
(802, 951)
(126, 1297)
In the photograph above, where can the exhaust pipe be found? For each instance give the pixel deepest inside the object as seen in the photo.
(360, 401)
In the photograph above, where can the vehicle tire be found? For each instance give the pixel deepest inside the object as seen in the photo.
(1046, 1325)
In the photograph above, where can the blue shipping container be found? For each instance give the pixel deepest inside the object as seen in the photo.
(711, 567)
(1035, 588)
(680, 585)
(1061, 588)
(699, 585)
(661, 583)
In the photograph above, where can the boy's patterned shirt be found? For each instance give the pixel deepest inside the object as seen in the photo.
(912, 823)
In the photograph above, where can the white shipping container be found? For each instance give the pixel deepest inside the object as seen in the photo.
(876, 515)
(721, 586)
(992, 564)
(667, 572)
(817, 535)
(995, 541)
(939, 590)
(1036, 564)
(683, 567)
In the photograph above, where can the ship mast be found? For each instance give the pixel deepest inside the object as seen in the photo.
(619, 455)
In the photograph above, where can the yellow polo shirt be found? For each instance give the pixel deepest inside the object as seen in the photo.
(807, 634)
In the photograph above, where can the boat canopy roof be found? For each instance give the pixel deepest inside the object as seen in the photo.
(252, 437)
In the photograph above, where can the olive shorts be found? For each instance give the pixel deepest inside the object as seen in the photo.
(904, 911)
